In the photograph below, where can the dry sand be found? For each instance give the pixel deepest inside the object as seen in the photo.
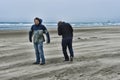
(97, 56)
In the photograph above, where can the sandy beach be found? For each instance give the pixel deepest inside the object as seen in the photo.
(97, 56)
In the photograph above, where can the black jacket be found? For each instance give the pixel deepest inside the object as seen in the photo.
(66, 30)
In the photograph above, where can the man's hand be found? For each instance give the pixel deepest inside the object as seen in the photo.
(48, 42)
(30, 36)
(30, 40)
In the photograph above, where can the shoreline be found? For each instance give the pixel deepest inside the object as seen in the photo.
(81, 27)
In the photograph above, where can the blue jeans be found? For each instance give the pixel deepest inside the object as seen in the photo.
(67, 42)
(39, 52)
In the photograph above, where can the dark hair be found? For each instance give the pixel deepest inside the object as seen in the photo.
(60, 23)
(40, 20)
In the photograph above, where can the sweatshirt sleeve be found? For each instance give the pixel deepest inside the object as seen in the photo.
(31, 34)
(47, 34)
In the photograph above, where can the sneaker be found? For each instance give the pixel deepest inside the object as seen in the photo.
(71, 58)
(66, 60)
(36, 63)
(42, 63)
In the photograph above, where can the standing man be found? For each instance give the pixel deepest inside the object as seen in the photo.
(66, 31)
(37, 31)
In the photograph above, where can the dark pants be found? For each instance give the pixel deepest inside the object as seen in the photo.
(67, 43)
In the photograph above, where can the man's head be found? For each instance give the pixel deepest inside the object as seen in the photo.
(60, 23)
(37, 21)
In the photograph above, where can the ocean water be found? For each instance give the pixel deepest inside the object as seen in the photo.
(27, 25)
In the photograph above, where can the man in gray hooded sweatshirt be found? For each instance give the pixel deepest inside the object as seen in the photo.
(37, 31)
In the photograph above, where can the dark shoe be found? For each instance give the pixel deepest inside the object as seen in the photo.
(66, 60)
(71, 58)
(36, 63)
(42, 63)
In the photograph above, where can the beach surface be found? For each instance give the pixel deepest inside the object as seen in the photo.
(96, 49)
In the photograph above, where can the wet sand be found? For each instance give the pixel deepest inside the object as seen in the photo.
(97, 56)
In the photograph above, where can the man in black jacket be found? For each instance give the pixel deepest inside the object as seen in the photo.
(66, 30)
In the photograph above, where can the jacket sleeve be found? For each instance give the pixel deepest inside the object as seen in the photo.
(47, 34)
(30, 34)
(59, 30)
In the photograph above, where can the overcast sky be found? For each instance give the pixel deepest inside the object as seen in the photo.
(54, 10)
